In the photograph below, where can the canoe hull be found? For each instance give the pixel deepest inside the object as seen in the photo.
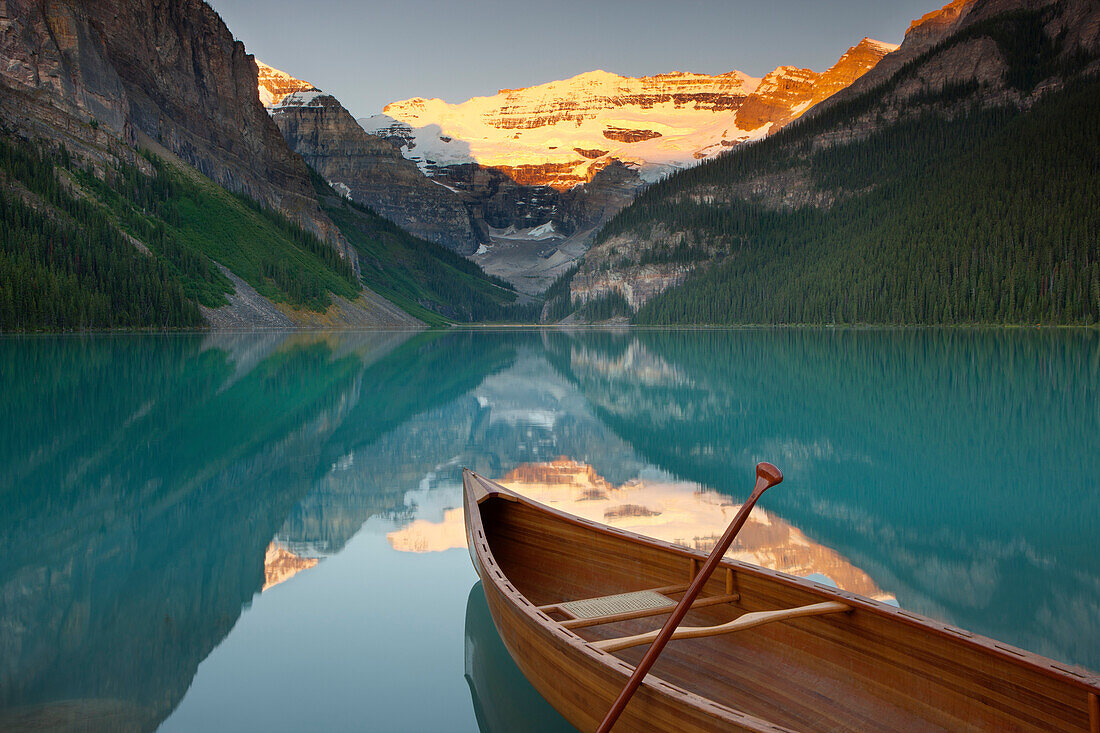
(581, 687)
(874, 667)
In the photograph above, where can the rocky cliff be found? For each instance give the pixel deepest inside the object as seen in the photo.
(372, 171)
(104, 75)
(636, 285)
(468, 207)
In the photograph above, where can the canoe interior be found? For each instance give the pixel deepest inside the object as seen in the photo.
(862, 670)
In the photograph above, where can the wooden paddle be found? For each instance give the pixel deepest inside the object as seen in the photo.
(767, 476)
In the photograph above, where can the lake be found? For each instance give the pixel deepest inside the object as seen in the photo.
(240, 532)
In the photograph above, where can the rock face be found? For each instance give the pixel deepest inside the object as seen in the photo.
(637, 286)
(856, 61)
(558, 134)
(78, 70)
(530, 254)
(372, 171)
(782, 95)
(922, 34)
(787, 92)
(596, 201)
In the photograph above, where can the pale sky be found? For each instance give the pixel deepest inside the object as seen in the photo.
(371, 53)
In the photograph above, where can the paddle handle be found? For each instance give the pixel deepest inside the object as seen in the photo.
(767, 476)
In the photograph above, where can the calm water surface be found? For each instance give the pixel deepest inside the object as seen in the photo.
(262, 532)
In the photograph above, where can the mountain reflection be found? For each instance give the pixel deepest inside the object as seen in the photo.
(280, 565)
(151, 486)
(142, 488)
(959, 468)
(655, 506)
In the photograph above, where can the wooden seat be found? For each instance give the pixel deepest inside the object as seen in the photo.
(626, 606)
(642, 600)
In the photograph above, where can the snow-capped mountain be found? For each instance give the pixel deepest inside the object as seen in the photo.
(562, 132)
(521, 181)
(558, 132)
(464, 207)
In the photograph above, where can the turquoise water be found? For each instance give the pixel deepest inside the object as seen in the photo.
(256, 532)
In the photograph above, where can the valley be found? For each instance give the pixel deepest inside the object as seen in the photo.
(560, 158)
(890, 188)
(286, 288)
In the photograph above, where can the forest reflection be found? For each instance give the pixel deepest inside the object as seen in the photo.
(152, 486)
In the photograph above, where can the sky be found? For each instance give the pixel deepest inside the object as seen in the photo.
(369, 53)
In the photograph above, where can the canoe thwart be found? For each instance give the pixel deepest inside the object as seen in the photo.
(745, 621)
(626, 606)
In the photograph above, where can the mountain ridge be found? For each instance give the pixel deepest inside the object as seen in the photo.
(77, 72)
(562, 157)
(560, 132)
(836, 201)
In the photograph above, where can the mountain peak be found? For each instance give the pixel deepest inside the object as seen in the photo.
(559, 133)
(787, 92)
(306, 98)
(935, 20)
(873, 45)
(274, 85)
(596, 76)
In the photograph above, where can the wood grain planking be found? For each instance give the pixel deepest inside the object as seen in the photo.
(876, 667)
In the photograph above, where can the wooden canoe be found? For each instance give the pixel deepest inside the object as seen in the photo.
(840, 662)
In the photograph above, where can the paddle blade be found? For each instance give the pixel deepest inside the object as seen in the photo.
(769, 474)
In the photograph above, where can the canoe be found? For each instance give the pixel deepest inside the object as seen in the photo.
(574, 602)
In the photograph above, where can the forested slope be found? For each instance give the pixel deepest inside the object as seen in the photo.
(939, 196)
(990, 217)
(138, 246)
(425, 279)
